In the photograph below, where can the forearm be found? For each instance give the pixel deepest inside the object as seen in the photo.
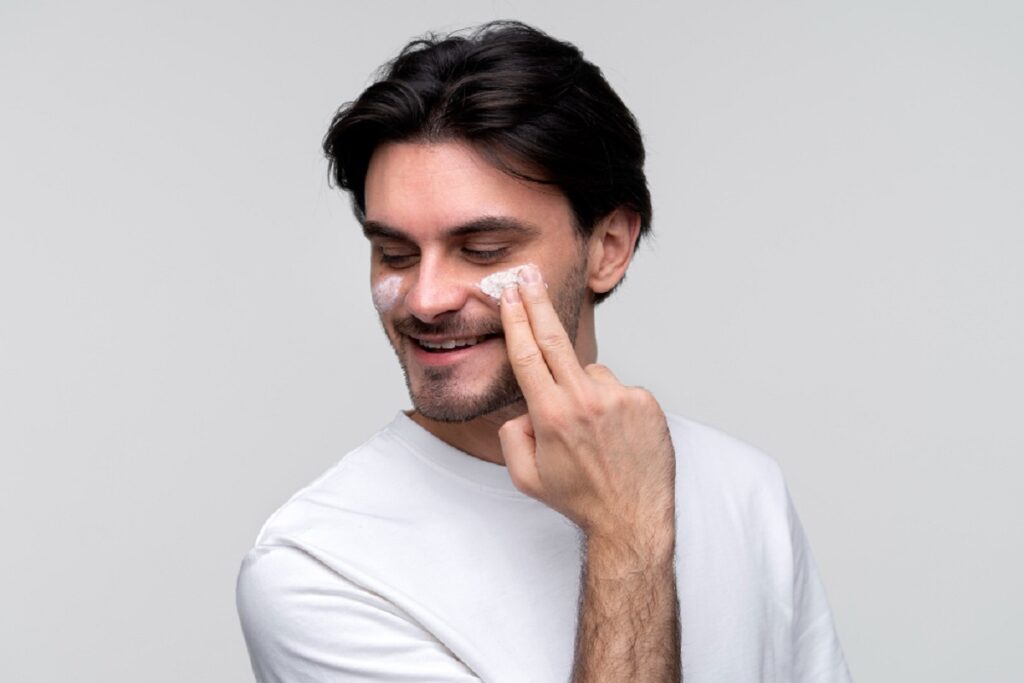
(629, 613)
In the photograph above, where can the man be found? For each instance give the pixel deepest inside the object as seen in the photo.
(532, 519)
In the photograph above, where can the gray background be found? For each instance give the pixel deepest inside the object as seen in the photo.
(186, 334)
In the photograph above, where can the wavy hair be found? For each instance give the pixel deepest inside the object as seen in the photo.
(530, 104)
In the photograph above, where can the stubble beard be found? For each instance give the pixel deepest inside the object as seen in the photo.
(439, 397)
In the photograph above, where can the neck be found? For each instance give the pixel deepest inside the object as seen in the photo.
(479, 437)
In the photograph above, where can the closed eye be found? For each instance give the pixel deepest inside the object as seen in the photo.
(486, 254)
(394, 260)
(403, 260)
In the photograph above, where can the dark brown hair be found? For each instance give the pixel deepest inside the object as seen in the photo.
(529, 103)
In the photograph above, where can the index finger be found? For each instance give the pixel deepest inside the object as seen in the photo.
(523, 353)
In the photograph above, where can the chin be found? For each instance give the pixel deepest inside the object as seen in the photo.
(444, 407)
(456, 411)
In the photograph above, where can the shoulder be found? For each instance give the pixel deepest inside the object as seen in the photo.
(730, 483)
(742, 534)
(277, 583)
(355, 481)
(270, 588)
(711, 453)
(302, 620)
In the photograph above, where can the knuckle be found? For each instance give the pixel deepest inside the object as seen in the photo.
(620, 401)
(527, 357)
(596, 402)
(552, 340)
(644, 398)
(600, 372)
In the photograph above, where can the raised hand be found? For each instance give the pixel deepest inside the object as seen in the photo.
(589, 447)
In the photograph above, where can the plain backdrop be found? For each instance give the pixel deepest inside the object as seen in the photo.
(187, 337)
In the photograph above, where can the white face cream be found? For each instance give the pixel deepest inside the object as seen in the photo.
(385, 293)
(495, 282)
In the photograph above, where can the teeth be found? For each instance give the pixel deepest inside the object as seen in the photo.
(451, 343)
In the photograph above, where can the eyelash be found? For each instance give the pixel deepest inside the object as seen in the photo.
(486, 254)
(483, 255)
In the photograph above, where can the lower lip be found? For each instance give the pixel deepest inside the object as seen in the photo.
(424, 357)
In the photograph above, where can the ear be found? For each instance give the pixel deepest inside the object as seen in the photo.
(611, 249)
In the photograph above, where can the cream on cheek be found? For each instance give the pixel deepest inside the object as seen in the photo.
(386, 293)
(388, 289)
(493, 284)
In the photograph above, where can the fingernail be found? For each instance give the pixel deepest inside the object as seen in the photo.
(530, 274)
(511, 294)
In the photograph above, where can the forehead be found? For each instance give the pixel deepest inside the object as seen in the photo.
(422, 188)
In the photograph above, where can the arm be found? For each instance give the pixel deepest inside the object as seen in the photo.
(629, 614)
(601, 454)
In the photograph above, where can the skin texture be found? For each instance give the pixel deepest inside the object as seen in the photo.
(601, 454)
(385, 292)
(571, 435)
(423, 190)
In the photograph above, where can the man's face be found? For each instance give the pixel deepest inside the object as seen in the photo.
(433, 210)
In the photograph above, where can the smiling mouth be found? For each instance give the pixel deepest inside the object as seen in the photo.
(451, 345)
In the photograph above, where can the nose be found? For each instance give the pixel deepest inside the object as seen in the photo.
(437, 289)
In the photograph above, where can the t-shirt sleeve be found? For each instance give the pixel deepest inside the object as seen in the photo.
(817, 654)
(304, 623)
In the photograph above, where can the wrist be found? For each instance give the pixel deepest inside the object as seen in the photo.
(627, 549)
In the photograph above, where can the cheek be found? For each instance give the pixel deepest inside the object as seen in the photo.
(386, 292)
(494, 283)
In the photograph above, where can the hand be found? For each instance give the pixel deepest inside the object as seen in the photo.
(596, 451)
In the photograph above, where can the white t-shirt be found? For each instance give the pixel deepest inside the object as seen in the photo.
(411, 560)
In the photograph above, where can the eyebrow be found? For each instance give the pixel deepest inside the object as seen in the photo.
(477, 226)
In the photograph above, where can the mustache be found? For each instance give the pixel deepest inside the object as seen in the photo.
(415, 327)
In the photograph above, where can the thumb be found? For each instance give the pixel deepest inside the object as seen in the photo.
(519, 448)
